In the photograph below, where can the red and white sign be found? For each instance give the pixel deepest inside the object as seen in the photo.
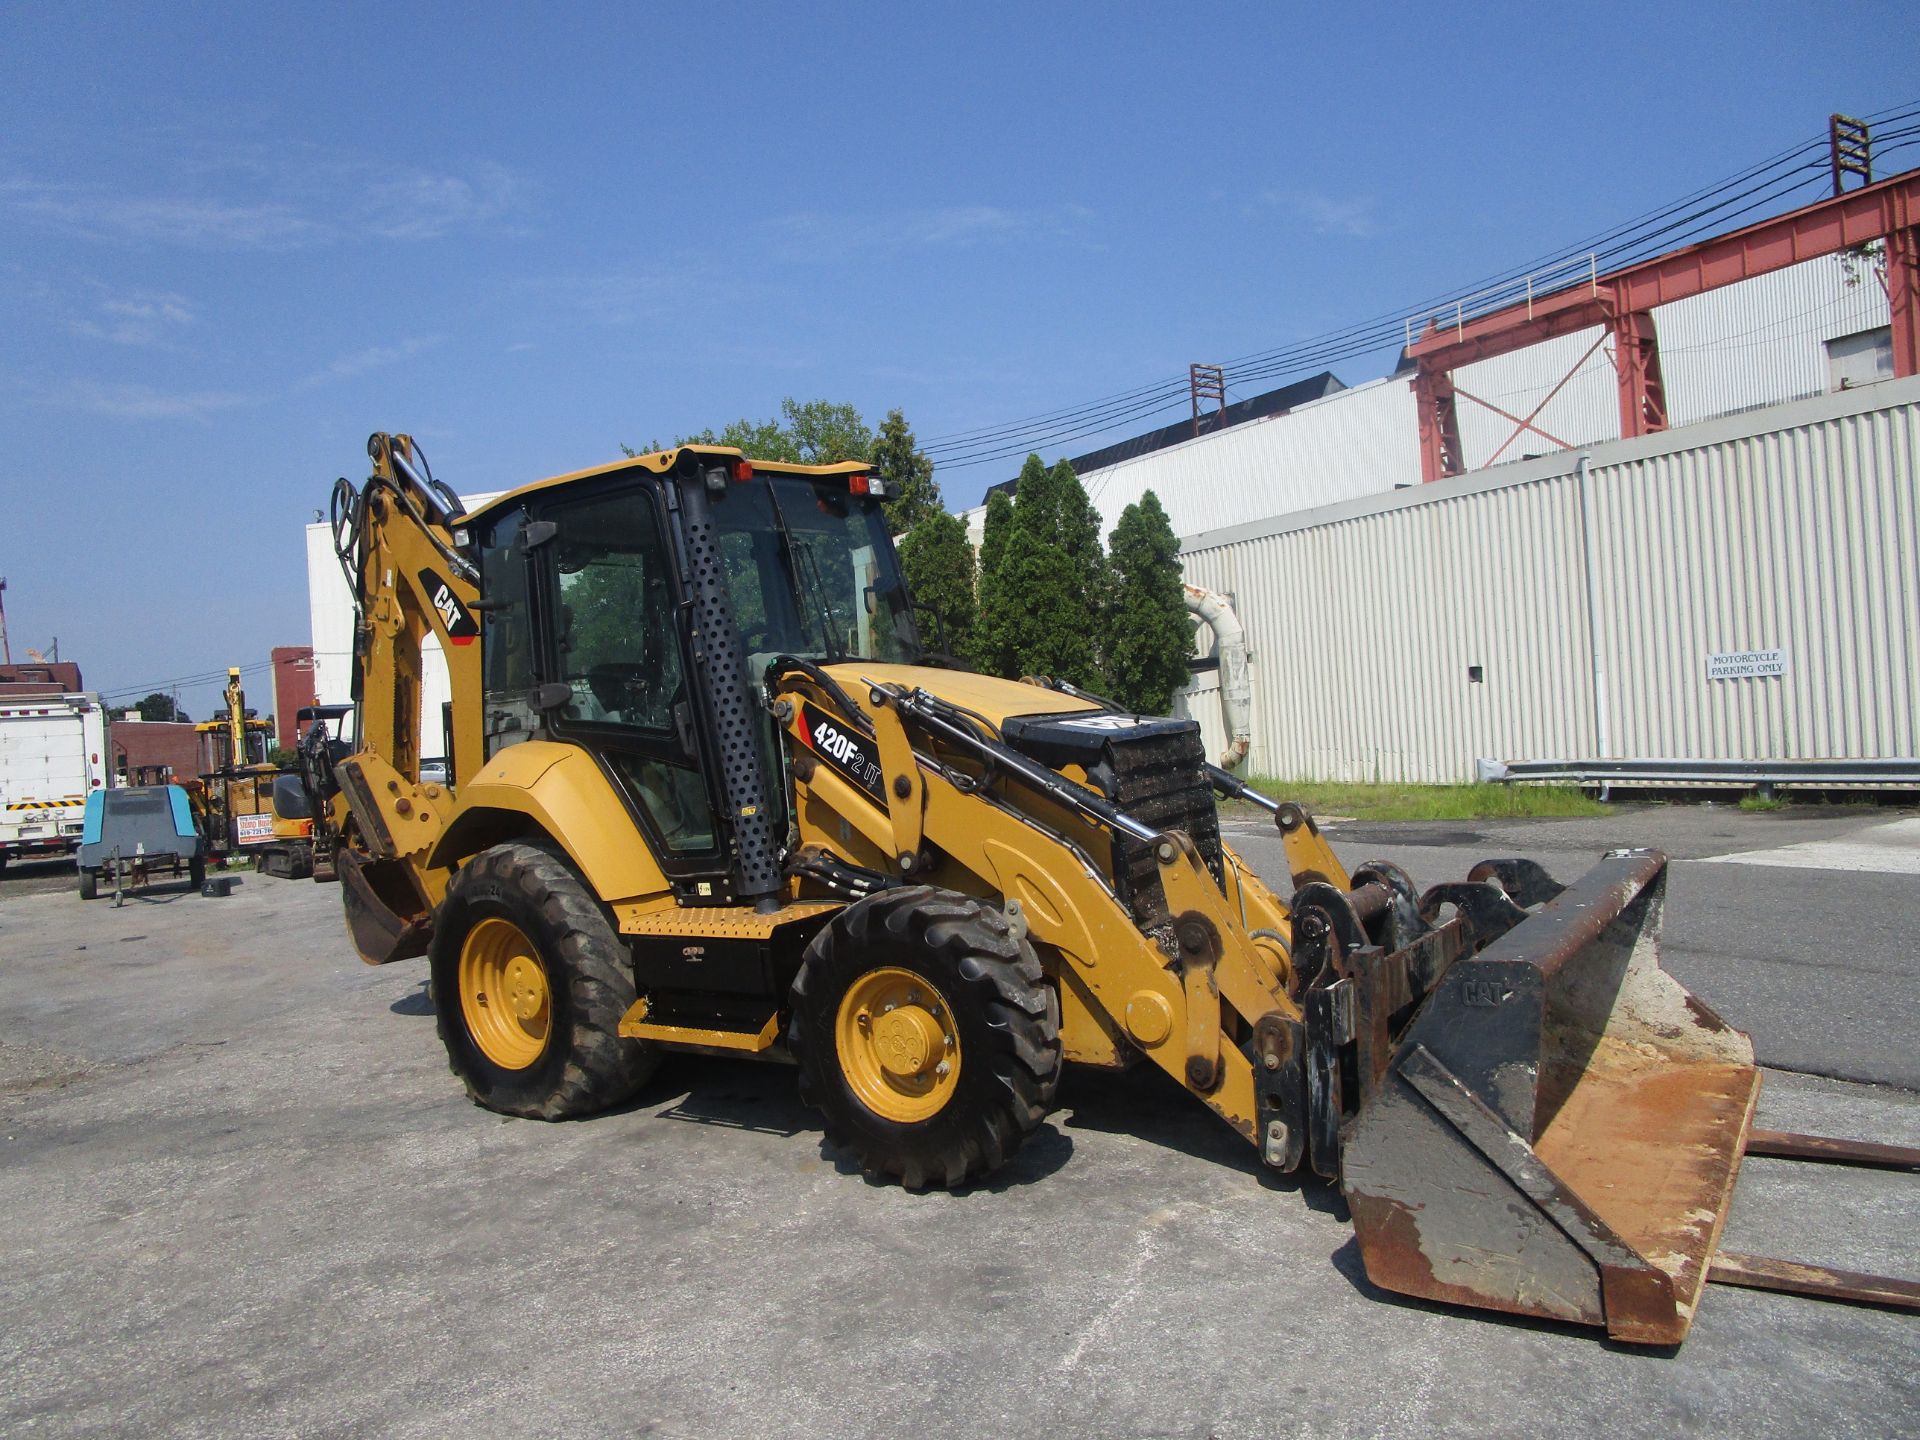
(252, 829)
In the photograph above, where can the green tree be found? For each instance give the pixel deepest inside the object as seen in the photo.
(813, 432)
(159, 706)
(824, 433)
(912, 492)
(992, 644)
(938, 564)
(995, 527)
(1149, 635)
(1040, 601)
(1058, 510)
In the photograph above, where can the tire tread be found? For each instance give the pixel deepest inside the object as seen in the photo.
(997, 974)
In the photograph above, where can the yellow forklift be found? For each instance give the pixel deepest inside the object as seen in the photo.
(710, 792)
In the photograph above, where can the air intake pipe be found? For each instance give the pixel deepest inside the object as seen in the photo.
(1236, 687)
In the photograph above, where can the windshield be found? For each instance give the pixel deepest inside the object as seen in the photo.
(812, 571)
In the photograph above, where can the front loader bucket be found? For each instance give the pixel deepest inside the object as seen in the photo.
(1559, 1128)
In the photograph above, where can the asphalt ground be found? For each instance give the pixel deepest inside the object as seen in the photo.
(241, 1195)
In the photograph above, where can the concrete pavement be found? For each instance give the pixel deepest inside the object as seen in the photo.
(241, 1195)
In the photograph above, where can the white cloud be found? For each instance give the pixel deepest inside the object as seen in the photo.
(139, 318)
(374, 357)
(830, 236)
(652, 295)
(143, 402)
(424, 207)
(97, 214)
(1353, 217)
(255, 207)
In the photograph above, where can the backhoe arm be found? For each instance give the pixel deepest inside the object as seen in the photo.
(395, 538)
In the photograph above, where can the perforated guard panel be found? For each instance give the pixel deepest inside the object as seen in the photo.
(729, 702)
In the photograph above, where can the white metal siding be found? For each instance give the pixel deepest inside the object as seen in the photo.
(1794, 528)
(1359, 442)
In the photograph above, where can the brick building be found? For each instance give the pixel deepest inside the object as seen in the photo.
(41, 677)
(151, 752)
(293, 689)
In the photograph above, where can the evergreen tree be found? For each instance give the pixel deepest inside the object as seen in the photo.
(991, 649)
(1149, 635)
(938, 564)
(1040, 601)
(997, 525)
(912, 492)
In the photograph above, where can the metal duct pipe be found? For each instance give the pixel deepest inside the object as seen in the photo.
(1236, 686)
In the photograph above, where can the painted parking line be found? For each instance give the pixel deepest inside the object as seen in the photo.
(1891, 849)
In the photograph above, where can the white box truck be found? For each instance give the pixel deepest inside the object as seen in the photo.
(53, 752)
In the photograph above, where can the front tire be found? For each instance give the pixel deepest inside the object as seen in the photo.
(529, 987)
(89, 884)
(927, 1036)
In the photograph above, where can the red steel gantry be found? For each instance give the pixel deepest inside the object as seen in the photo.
(1622, 304)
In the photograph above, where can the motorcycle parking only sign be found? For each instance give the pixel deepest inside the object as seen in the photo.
(1747, 665)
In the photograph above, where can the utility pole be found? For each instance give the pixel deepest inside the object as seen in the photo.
(1207, 383)
(6, 647)
(1850, 149)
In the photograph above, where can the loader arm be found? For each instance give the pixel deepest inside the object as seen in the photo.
(1194, 974)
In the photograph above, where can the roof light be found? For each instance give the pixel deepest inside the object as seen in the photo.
(857, 484)
(743, 470)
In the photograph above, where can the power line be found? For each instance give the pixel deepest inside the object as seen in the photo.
(182, 681)
(1666, 227)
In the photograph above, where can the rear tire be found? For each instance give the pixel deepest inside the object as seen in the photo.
(529, 985)
(197, 871)
(89, 884)
(881, 1094)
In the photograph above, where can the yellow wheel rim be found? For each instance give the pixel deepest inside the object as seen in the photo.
(504, 994)
(898, 1045)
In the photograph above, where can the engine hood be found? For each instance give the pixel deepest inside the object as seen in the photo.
(996, 699)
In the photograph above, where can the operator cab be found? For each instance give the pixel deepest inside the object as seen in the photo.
(634, 611)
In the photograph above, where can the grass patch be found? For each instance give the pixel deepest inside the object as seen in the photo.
(1758, 804)
(1426, 802)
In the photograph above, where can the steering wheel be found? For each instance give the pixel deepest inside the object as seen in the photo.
(626, 689)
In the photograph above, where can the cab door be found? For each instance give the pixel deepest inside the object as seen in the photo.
(613, 669)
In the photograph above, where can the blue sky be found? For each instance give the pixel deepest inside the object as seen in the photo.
(236, 239)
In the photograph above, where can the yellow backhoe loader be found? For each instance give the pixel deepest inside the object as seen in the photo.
(710, 791)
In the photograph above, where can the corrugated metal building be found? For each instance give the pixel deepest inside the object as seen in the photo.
(1778, 337)
(1517, 614)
